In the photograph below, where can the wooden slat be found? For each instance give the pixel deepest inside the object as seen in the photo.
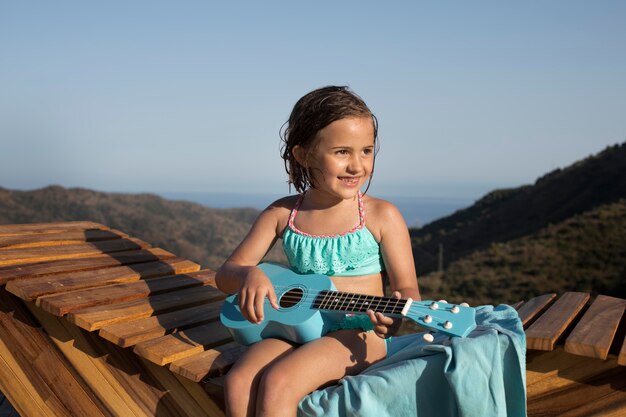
(104, 260)
(120, 380)
(210, 363)
(98, 317)
(594, 334)
(57, 239)
(544, 333)
(559, 383)
(30, 289)
(44, 254)
(108, 304)
(136, 331)
(29, 398)
(621, 359)
(42, 228)
(183, 344)
(529, 310)
(39, 366)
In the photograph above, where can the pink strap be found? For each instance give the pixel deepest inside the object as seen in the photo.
(292, 217)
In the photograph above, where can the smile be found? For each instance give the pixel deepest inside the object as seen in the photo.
(350, 180)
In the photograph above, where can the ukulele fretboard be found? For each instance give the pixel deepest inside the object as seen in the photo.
(357, 303)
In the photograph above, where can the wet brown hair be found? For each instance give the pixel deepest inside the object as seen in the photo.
(313, 112)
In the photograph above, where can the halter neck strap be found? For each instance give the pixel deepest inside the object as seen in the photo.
(361, 224)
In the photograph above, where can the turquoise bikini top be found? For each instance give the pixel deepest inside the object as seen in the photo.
(352, 253)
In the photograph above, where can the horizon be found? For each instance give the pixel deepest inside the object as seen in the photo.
(155, 97)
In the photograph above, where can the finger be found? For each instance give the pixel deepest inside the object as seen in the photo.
(250, 308)
(381, 318)
(380, 331)
(258, 305)
(242, 304)
(396, 294)
(271, 296)
(372, 317)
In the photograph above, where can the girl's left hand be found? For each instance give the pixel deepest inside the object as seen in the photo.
(384, 326)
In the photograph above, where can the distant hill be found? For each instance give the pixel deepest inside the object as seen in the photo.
(193, 231)
(566, 231)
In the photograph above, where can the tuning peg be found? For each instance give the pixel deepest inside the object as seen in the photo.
(443, 301)
(428, 337)
(464, 305)
(447, 325)
(455, 310)
(427, 318)
(434, 306)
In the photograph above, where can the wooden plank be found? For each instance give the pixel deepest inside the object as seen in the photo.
(102, 316)
(183, 344)
(621, 359)
(56, 239)
(104, 260)
(30, 255)
(107, 304)
(136, 331)
(544, 333)
(41, 364)
(32, 288)
(210, 406)
(531, 309)
(121, 381)
(210, 363)
(27, 398)
(594, 334)
(190, 397)
(42, 228)
(563, 384)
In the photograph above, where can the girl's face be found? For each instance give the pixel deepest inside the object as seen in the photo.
(343, 157)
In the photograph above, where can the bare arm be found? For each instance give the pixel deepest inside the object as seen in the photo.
(239, 274)
(395, 244)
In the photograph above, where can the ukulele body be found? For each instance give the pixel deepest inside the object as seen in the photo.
(295, 319)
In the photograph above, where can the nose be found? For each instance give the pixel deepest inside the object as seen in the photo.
(355, 165)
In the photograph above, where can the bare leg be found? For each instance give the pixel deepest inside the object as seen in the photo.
(320, 362)
(242, 381)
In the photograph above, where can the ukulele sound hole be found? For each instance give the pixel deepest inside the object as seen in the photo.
(291, 298)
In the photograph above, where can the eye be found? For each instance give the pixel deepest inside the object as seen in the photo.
(368, 151)
(342, 152)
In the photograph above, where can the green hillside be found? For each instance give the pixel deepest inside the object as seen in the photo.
(586, 252)
(565, 232)
(190, 230)
(507, 214)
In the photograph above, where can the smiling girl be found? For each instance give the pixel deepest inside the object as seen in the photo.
(333, 228)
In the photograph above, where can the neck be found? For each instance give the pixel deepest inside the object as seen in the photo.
(358, 303)
(319, 200)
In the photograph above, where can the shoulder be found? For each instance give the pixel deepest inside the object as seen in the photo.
(381, 216)
(278, 212)
(377, 208)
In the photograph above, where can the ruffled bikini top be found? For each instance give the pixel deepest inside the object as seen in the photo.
(352, 253)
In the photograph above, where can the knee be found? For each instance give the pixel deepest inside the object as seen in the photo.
(237, 381)
(277, 389)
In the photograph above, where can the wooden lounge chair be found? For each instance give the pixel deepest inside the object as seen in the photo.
(96, 323)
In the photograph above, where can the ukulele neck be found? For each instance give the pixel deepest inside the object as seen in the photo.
(360, 303)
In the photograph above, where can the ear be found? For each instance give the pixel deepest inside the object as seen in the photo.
(299, 153)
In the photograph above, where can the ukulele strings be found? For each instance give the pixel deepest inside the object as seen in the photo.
(387, 303)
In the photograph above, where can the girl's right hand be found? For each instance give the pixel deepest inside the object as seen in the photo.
(254, 288)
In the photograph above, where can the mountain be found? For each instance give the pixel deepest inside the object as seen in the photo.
(190, 230)
(565, 232)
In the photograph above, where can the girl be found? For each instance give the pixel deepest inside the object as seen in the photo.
(329, 149)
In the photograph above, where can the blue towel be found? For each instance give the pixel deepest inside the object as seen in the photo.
(480, 375)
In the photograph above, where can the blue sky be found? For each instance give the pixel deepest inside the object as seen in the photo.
(189, 96)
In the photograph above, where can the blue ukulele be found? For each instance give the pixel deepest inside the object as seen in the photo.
(309, 306)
